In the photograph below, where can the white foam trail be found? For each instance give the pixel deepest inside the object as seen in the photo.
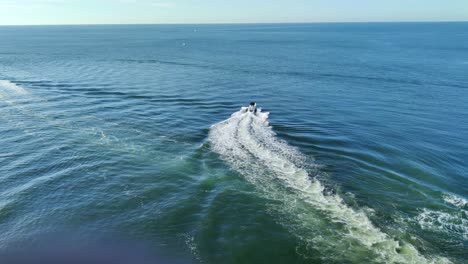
(455, 200)
(247, 143)
(455, 224)
(11, 89)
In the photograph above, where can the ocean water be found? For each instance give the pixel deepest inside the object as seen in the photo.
(358, 154)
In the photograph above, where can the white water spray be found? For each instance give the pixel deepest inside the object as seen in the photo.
(8, 88)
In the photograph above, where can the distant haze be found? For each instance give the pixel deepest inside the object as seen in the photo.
(39, 12)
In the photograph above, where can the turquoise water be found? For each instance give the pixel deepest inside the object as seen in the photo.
(357, 156)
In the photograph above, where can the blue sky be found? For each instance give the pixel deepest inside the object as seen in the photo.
(33, 12)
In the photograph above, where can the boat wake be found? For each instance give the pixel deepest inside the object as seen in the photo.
(24, 108)
(320, 219)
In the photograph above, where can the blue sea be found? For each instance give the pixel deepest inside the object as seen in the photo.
(357, 154)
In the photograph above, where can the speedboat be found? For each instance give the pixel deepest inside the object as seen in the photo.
(252, 108)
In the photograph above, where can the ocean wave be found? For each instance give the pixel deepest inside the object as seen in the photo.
(13, 96)
(309, 75)
(319, 218)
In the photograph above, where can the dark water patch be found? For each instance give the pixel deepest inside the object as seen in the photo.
(162, 62)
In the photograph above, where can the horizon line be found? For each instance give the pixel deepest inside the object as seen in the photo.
(236, 23)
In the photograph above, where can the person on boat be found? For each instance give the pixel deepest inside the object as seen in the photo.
(252, 107)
